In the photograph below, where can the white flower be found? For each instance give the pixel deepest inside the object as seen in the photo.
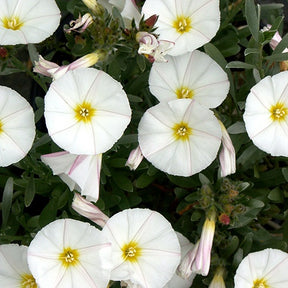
(14, 270)
(192, 75)
(197, 260)
(134, 159)
(70, 253)
(23, 22)
(127, 8)
(266, 114)
(180, 137)
(263, 269)
(55, 71)
(227, 155)
(89, 210)
(176, 280)
(189, 24)
(17, 127)
(145, 248)
(151, 48)
(86, 111)
(80, 172)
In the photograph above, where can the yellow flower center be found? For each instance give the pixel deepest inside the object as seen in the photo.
(278, 112)
(260, 283)
(69, 257)
(12, 23)
(28, 281)
(182, 131)
(1, 127)
(184, 92)
(84, 112)
(182, 24)
(131, 251)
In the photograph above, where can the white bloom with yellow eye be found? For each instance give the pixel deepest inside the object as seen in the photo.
(266, 114)
(86, 111)
(14, 270)
(17, 126)
(180, 137)
(263, 269)
(23, 22)
(145, 248)
(193, 75)
(70, 253)
(190, 24)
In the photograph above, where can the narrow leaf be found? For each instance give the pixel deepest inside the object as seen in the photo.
(252, 18)
(7, 200)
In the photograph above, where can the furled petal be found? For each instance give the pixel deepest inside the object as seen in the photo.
(82, 115)
(145, 248)
(134, 159)
(267, 267)
(70, 253)
(14, 271)
(176, 280)
(17, 127)
(89, 210)
(208, 84)
(80, 172)
(23, 22)
(266, 114)
(189, 24)
(227, 154)
(180, 137)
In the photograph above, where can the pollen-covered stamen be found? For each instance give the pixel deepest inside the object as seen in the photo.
(28, 281)
(12, 23)
(260, 283)
(278, 112)
(131, 251)
(182, 24)
(69, 257)
(184, 93)
(84, 112)
(182, 131)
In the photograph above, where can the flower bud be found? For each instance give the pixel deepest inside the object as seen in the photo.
(227, 154)
(89, 210)
(134, 159)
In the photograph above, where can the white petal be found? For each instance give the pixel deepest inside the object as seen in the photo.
(93, 267)
(13, 264)
(204, 16)
(40, 19)
(208, 82)
(269, 265)
(112, 111)
(160, 250)
(18, 128)
(179, 157)
(267, 134)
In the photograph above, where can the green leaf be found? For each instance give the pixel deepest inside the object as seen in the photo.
(144, 180)
(7, 200)
(230, 247)
(33, 53)
(278, 57)
(49, 213)
(276, 195)
(251, 51)
(282, 45)
(237, 128)
(252, 18)
(239, 65)
(122, 181)
(29, 192)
